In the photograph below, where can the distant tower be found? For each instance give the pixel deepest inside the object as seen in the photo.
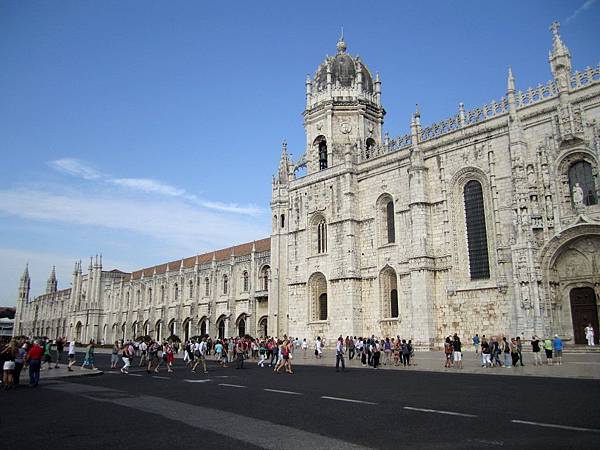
(52, 284)
(24, 289)
(343, 105)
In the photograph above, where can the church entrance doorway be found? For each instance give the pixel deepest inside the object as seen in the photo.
(584, 311)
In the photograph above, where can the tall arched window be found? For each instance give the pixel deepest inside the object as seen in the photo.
(207, 286)
(203, 326)
(242, 327)
(221, 328)
(245, 279)
(265, 274)
(191, 289)
(162, 294)
(176, 292)
(138, 296)
(389, 292)
(581, 173)
(225, 284)
(479, 266)
(322, 154)
(391, 229)
(319, 235)
(317, 285)
(370, 143)
(149, 295)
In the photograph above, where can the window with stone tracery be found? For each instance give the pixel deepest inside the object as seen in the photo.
(388, 284)
(225, 284)
(176, 292)
(477, 244)
(190, 289)
(245, 281)
(265, 274)
(317, 286)
(206, 287)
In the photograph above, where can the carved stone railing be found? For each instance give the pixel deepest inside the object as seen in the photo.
(388, 146)
(589, 76)
(537, 94)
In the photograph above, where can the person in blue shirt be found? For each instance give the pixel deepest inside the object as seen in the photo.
(557, 345)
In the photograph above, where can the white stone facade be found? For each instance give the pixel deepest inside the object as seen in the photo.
(417, 280)
(487, 222)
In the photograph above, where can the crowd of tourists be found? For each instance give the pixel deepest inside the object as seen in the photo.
(275, 353)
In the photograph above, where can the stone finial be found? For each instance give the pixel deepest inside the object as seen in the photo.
(341, 44)
(25, 275)
(511, 81)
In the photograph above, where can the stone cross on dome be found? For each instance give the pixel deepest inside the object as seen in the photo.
(554, 28)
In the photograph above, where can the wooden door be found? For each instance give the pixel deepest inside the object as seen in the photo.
(583, 311)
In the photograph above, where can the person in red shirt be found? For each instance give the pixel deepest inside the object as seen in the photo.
(34, 357)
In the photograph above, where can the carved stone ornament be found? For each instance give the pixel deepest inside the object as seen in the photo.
(345, 128)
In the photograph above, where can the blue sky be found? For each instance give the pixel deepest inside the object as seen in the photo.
(149, 131)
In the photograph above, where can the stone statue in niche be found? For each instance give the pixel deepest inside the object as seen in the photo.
(535, 210)
(524, 217)
(577, 195)
(545, 175)
(525, 299)
(549, 207)
(522, 267)
(531, 175)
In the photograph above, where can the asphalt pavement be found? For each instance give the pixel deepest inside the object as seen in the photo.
(313, 408)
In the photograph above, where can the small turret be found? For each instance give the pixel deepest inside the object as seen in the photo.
(52, 284)
(25, 285)
(560, 63)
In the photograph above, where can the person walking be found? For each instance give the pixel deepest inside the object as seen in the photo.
(169, 350)
(387, 350)
(548, 350)
(304, 348)
(71, 356)
(34, 359)
(126, 355)
(557, 346)
(406, 349)
(339, 355)
(60, 347)
(19, 363)
(376, 354)
(476, 342)
(589, 334)
(143, 348)
(486, 353)
(9, 354)
(457, 351)
(448, 349)
(514, 352)
(114, 356)
(318, 347)
(535, 349)
(200, 354)
(89, 356)
(520, 350)
(506, 350)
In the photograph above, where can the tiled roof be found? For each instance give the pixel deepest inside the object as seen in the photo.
(220, 255)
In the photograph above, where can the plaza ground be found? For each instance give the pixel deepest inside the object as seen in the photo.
(314, 408)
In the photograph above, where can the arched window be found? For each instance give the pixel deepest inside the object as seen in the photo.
(318, 296)
(242, 327)
(206, 287)
(158, 330)
(391, 229)
(225, 282)
(149, 295)
(319, 232)
(221, 328)
(262, 327)
(176, 292)
(388, 283)
(245, 279)
(581, 173)
(370, 143)
(479, 266)
(322, 153)
(162, 293)
(265, 274)
(282, 220)
(138, 296)
(191, 289)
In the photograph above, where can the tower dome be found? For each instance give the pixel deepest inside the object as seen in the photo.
(344, 69)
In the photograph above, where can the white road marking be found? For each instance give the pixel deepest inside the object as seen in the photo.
(436, 411)
(196, 381)
(222, 376)
(134, 375)
(282, 392)
(562, 427)
(347, 400)
(160, 378)
(232, 385)
(586, 363)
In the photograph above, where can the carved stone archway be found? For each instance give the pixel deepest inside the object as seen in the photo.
(570, 260)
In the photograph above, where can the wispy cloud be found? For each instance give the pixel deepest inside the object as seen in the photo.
(586, 5)
(86, 171)
(172, 221)
(148, 185)
(76, 168)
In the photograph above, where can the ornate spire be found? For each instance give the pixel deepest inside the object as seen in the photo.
(25, 275)
(52, 284)
(341, 44)
(511, 81)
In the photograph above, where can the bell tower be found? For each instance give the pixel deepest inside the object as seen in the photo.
(343, 105)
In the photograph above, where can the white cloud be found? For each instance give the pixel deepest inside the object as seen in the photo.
(173, 220)
(76, 168)
(586, 5)
(148, 186)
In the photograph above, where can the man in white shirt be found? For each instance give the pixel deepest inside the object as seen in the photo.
(143, 348)
(71, 356)
(200, 354)
(339, 354)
